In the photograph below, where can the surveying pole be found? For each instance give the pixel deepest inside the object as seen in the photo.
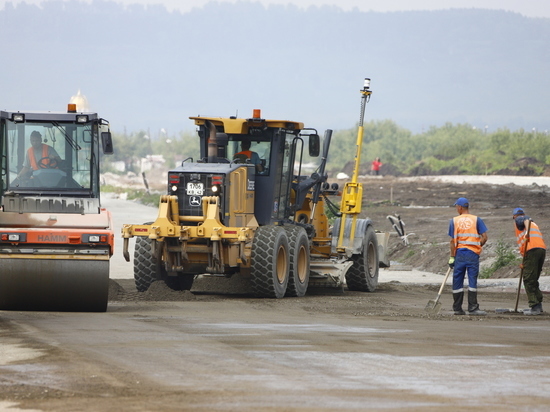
(352, 194)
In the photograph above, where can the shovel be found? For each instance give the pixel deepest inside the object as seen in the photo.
(434, 305)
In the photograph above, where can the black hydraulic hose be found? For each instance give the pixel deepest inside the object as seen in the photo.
(324, 156)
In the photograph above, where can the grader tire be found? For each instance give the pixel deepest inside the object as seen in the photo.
(146, 269)
(363, 274)
(270, 262)
(299, 253)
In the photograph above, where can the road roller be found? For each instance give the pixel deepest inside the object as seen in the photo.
(55, 238)
(245, 208)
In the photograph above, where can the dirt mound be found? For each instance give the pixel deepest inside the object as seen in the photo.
(159, 291)
(526, 166)
(124, 290)
(426, 207)
(115, 290)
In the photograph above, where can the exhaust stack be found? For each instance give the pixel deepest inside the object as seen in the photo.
(212, 143)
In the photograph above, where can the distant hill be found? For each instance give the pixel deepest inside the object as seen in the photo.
(147, 68)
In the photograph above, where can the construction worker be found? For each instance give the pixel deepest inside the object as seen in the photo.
(533, 249)
(468, 235)
(375, 166)
(253, 156)
(39, 156)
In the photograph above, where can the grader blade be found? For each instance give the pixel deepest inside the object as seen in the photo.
(328, 274)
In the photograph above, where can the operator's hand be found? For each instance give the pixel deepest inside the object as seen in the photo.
(452, 262)
(521, 265)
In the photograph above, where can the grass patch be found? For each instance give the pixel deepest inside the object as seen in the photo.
(505, 257)
(410, 253)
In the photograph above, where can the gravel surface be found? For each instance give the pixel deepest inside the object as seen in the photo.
(218, 348)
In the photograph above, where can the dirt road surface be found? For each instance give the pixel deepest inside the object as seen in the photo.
(221, 349)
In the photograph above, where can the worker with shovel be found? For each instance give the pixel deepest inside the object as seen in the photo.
(532, 248)
(468, 235)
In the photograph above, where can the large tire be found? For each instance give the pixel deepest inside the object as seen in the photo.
(363, 274)
(298, 279)
(146, 269)
(270, 262)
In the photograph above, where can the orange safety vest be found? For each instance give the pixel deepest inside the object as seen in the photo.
(465, 234)
(535, 238)
(32, 157)
(247, 153)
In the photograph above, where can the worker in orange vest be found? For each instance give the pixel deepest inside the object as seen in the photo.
(468, 234)
(39, 156)
(253, 156)
(533, 249)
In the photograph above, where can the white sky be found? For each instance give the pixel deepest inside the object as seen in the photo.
(530, 8)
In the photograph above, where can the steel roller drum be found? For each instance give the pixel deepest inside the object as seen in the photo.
(74, 285)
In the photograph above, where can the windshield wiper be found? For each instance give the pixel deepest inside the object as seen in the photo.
(68, 138)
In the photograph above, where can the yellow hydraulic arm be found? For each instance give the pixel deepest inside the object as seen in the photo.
(352, 194)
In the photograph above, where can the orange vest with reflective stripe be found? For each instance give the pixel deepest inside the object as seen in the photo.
(32, 157)
(535, 238)
(465, 234)
(247, 153)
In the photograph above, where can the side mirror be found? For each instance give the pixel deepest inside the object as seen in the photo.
(107, 143)
(314, 145)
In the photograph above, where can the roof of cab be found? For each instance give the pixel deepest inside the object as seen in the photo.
(233, 125)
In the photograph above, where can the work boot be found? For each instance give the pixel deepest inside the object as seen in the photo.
(477, 312)
(533, 311)
(458, 298)
(473, 306)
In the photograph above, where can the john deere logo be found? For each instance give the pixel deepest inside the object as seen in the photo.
(194, 200)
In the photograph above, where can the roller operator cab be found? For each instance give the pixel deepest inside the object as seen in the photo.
(55, 239)
(245, 208)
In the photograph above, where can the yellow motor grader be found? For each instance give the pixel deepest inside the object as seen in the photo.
(245, 209)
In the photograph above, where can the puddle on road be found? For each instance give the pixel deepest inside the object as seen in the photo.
(301, 328)
(16, 353)
(12, 407)
(419, 374)
(485, 345)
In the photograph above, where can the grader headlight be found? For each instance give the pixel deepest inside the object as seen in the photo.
(216, 189)
(217, 182)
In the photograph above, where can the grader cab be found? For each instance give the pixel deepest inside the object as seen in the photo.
(245, 209)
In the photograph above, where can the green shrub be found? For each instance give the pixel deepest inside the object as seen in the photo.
(505, 257)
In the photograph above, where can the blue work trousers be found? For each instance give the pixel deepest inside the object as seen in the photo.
(465, 260)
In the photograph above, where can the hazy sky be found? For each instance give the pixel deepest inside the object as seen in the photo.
(530, 8)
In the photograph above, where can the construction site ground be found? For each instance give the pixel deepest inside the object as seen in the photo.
(218, 348)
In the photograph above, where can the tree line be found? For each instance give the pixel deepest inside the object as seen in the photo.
(447, 149)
